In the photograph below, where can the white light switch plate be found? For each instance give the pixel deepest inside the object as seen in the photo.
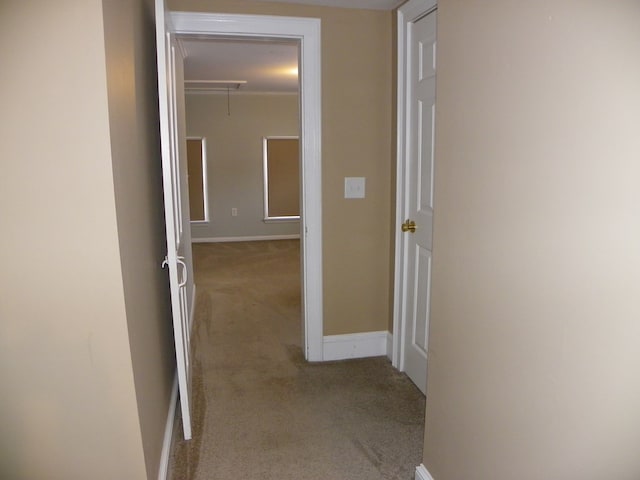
(354, 187)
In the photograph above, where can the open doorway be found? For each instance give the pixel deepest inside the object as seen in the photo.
(242, 111)
(242, 102)
(305, 34)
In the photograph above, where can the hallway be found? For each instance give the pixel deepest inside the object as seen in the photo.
(259, 410)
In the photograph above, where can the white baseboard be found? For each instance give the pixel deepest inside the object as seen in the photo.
(163, 471)
(257, 238)
(390, 346)
(422, 473)
(355, 345)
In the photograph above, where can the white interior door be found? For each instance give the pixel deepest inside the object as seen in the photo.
(417, 197)
(176, 202)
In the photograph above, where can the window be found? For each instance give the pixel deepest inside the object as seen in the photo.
(281, 164)
(197, 174)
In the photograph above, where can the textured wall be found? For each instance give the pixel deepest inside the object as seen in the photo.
(534, 366)
(357, 128)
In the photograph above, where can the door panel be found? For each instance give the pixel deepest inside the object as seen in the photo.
(425, 189)
(420, 310)
(175, 188)
(421, 78)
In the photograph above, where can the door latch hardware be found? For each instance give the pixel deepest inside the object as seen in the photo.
(409, 226)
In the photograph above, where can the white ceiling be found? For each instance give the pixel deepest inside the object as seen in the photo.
(264, 65)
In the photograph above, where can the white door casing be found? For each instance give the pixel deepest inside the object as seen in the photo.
(414, 201)
(176, 201)
(307, 32)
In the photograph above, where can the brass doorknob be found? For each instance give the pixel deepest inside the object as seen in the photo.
(409, 226)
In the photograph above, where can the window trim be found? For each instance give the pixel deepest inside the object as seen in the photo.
(265, 179)
(205, 181)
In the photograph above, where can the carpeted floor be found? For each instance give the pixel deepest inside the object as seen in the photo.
(259, 410)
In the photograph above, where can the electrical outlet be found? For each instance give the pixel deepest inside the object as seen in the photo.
(234, 212)
(354, 187)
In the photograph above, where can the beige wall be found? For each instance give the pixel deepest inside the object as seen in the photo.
(137, 176)
(78, 351)
(534, 366)
(234, 158)
(356, 131)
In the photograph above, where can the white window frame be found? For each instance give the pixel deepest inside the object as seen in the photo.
(265, 177)
(205, 181)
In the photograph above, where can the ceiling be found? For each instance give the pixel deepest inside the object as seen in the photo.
(265, 66)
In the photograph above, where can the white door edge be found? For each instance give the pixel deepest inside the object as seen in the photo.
(170, 96)
(410, 12)
(307, 30)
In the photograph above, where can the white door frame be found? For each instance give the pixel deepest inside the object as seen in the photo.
(307, 32)
(409, 13)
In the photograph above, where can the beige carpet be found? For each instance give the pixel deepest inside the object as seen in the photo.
(259, 410)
